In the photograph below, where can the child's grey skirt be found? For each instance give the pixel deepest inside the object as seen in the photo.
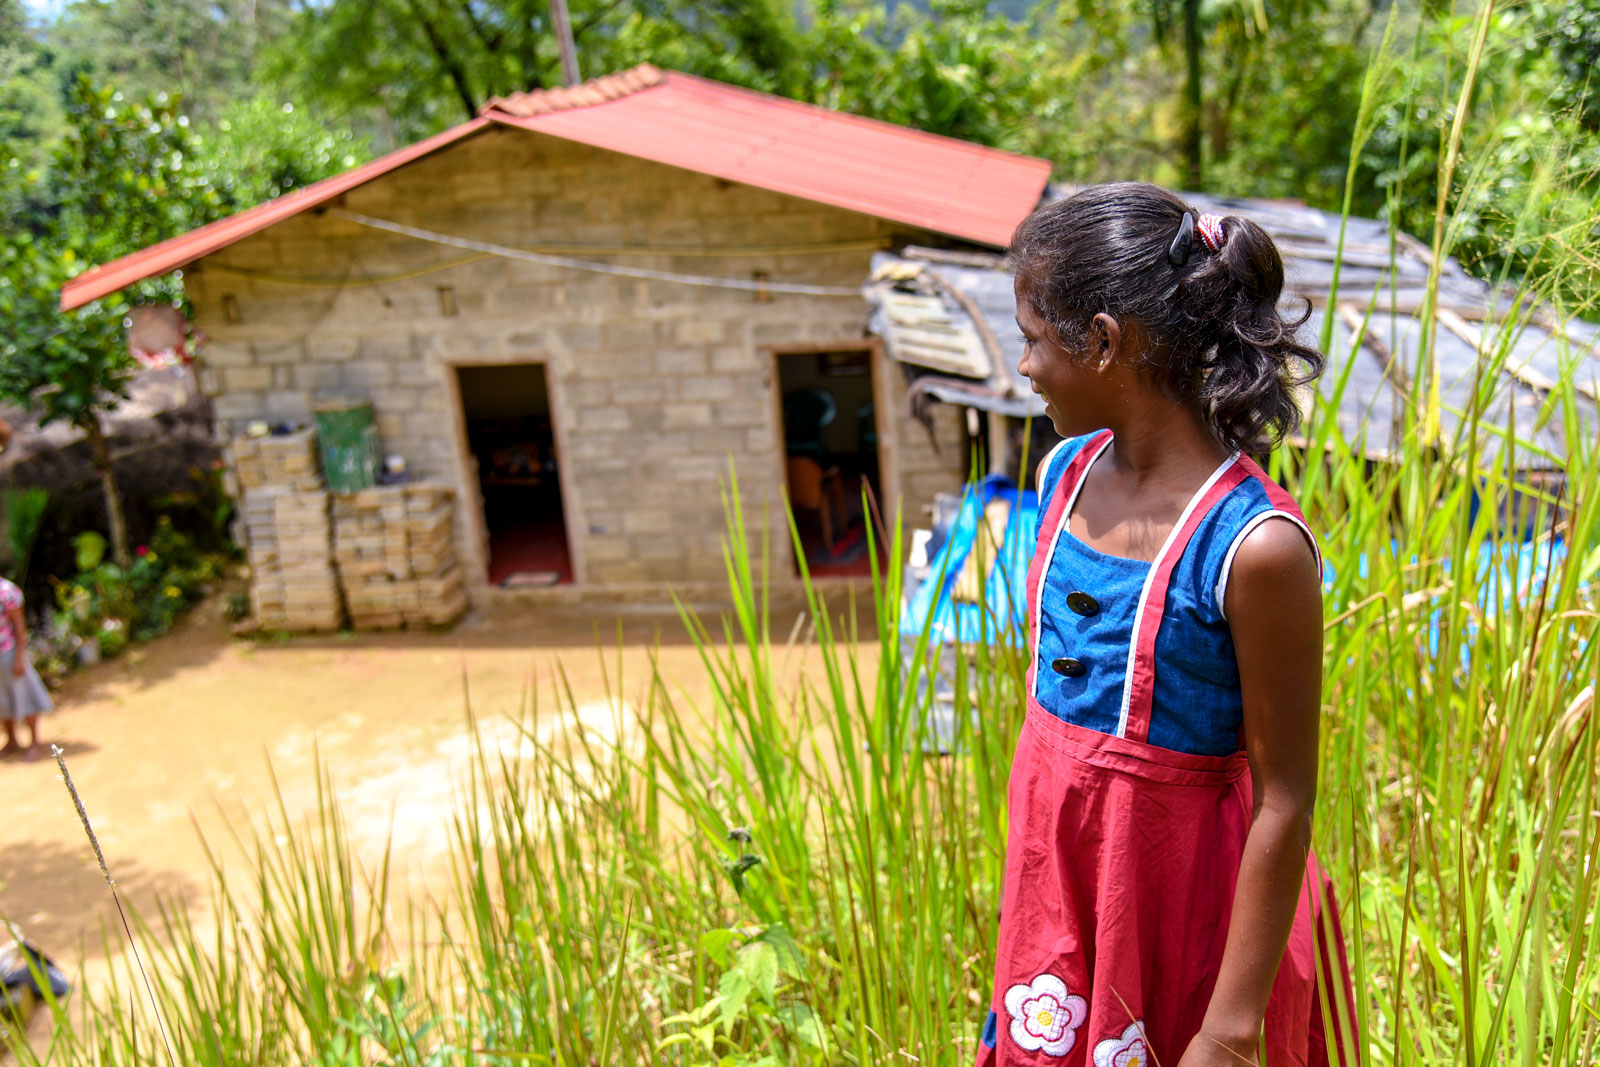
(21, 697)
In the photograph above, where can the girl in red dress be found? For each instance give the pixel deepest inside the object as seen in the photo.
(1161, 903)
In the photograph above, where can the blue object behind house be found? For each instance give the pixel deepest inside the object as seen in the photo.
(1003, 615)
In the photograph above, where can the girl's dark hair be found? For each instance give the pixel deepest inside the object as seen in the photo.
(1213, 323)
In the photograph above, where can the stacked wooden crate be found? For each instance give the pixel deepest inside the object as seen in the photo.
(287, 462)
(283, 515)
(396, 557)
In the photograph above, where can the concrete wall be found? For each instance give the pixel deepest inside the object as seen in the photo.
(655, 386)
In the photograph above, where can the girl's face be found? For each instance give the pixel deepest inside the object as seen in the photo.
(1068, 380)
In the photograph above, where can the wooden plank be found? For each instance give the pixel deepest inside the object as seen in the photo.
(1392, 371)
(1523, 373)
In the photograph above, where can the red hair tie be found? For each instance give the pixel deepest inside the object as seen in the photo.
(1211, 232)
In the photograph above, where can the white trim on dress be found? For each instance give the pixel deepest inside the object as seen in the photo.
(1050, 555)
(1257, 520)
(1072, 501)
(1049, 458)
(1149, 580)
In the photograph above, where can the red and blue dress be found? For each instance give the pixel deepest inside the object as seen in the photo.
(1130, 800)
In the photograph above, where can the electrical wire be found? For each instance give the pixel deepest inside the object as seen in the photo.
(488, 248)
(326, 282)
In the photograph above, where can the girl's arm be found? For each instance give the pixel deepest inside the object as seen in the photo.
(19, 629)
(1274, 606)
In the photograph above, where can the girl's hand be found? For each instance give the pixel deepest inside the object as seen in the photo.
(19, 665)
(1208, 1050)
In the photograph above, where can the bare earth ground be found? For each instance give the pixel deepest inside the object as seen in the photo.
(188, 732)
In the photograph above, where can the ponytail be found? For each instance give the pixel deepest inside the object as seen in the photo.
(1248, 378)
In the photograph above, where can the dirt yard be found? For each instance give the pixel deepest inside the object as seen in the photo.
(184, 736)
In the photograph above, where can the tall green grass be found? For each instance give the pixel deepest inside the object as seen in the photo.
(787, 875)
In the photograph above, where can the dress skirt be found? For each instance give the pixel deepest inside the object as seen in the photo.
(1119, 881)
(22, 697)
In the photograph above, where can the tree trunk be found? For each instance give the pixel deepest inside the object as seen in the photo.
(1192, 138)
(120, 551)
(448, 62)
(569, 52)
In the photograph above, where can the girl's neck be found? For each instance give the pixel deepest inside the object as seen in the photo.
(1162, 441)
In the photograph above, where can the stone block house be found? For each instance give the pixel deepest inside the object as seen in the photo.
(605, 296)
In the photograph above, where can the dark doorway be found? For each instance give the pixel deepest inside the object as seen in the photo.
(830, 436)
(512, 440)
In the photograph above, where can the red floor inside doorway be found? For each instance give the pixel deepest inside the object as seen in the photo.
(522, 547)
(851, 556)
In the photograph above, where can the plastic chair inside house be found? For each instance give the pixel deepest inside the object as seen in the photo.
(813, 489)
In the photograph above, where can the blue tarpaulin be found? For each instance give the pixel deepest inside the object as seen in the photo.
(1003, 615)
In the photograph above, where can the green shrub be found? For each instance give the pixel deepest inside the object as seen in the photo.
(24, 510)
(118, 606)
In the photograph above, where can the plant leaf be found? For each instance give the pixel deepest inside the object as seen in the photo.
(759, 962)
(718, 944)
(790, 962)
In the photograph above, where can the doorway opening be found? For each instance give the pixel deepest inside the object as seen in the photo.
(830, 438)
(510, 434)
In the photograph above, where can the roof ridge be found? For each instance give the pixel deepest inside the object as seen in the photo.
(823, 109)
(585, 94)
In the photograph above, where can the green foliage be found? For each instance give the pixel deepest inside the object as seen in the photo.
(24, 510)
(748, 1009)
(203, 510)
(260, 148)
(30, 112)
(1281, 114)
(1574, 28)
(121, 605)
(954, 69)
(89, 550)
(1525, 200)
(204, 51)
(418, 65)
(120, 179)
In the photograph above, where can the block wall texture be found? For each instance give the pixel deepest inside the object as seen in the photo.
(655, 386)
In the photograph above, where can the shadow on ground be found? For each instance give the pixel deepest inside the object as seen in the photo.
(76, 919)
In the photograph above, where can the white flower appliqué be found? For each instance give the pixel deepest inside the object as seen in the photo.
(1129, 1050)
(1044, 1016)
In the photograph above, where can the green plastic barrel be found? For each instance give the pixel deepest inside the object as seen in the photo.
(348, 436)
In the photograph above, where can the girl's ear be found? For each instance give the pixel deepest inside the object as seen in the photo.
(1105, 335)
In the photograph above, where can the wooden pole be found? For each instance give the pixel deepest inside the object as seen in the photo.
(569, 52)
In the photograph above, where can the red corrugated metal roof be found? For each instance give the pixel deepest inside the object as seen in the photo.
(935, 183)
(175, 252)
(892, 172)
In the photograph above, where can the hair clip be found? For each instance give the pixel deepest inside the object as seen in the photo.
(1178, 251)
(1211, 232)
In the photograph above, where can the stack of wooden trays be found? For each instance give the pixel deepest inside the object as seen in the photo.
(293, 585)
(394, 546)
(287, 462)
(283, 526)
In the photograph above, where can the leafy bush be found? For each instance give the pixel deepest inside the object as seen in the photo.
(118, 606)
(24, 510)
